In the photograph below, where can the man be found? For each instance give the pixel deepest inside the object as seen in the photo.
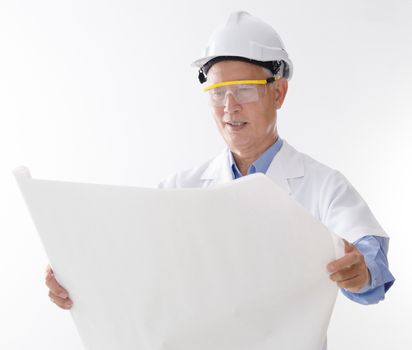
(247, 69)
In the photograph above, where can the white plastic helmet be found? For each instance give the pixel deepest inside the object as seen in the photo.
(246, 36)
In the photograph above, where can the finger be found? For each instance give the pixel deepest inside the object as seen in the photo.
(345, 274)
(60, 301)
(353, 284)
(48, 269)
(344, 262)
(54, 286)
(48, 272)
(349, 247)
(64, 303)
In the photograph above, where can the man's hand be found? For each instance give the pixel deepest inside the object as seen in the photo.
(350, 271)
(57, 293)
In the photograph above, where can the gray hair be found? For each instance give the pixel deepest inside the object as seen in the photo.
(269, 74)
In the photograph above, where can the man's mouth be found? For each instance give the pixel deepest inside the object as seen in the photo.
(235, 126)
(236, 123)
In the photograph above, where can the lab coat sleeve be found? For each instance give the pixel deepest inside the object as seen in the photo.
(345, 212)
(375, 251)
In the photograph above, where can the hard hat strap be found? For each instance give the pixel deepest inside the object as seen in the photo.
(273, 66)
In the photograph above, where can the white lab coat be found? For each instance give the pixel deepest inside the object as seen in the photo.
(323, 191)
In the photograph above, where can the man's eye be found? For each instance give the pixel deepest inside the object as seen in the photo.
(217, 93)
(245, 88)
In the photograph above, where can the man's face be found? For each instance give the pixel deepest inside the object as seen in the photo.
(259, 117)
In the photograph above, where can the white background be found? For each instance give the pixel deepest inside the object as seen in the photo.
(102, 92)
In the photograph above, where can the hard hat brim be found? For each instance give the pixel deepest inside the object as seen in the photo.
(199, 63)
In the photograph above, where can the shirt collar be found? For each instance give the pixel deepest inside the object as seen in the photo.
(261, 164)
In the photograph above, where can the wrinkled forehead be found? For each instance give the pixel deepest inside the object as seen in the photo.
(235, 70)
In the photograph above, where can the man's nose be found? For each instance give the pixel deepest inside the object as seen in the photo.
(231, 105)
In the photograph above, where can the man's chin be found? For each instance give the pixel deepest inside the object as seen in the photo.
(237, 143)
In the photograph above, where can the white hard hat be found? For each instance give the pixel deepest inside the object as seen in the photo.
(248, 37)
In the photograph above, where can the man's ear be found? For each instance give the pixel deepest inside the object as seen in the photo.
(281, 89)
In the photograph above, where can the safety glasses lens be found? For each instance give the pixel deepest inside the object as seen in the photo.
(243, 93)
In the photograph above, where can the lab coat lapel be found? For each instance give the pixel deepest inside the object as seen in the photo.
(287, 164)
(218, 171)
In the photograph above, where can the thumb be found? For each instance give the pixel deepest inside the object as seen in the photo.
(348, 246)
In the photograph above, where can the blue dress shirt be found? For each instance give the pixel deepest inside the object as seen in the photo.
(374, 248)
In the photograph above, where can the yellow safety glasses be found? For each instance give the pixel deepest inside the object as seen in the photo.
(244, 91)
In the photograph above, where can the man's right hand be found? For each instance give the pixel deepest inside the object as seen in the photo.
(57, 293)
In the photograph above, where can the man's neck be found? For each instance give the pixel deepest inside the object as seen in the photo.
(245, 159)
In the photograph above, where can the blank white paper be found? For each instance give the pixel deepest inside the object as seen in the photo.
(239, 266)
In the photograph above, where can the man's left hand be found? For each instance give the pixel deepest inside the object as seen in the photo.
(350, 271)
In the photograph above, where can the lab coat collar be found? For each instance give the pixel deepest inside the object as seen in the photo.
(218, 171)
(287, 164)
